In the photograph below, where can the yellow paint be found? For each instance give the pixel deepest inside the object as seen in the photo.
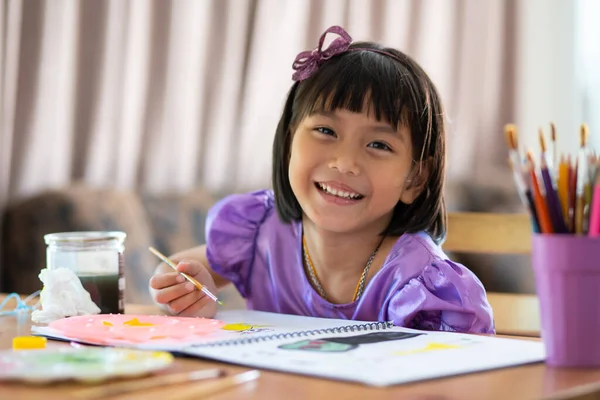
(106, 323)
(28, 342)
(136, 322)
(430, 347)
(240, 327)
(440, 346)
(163, 355)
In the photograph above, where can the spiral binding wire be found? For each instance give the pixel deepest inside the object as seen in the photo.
(299, 334)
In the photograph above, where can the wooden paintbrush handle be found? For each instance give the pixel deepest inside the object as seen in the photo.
(147, 383)
(202, 390)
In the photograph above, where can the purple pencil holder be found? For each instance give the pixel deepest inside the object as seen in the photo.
(567, 276)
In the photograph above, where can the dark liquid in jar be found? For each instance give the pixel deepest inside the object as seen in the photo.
(104, 290)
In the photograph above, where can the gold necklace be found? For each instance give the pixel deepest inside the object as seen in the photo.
(312, 272)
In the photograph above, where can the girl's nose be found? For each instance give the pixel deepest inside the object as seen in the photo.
(345, 161)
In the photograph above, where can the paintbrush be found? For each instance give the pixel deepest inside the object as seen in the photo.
(514, 159)
(171, 264)
(554, 151)
(203, 390)
(119, 388)
(520, 178)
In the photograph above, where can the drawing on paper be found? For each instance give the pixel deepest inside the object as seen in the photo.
(244, 328)
(437, 346)
(346, 343)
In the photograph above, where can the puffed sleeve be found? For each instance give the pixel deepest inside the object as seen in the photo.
(446, 296)
(232, 226)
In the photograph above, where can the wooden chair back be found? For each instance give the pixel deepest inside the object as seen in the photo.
(486, 233)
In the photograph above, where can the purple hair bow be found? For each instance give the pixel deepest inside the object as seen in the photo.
(308, 62)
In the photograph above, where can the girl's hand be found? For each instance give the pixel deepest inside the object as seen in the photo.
(180, 297)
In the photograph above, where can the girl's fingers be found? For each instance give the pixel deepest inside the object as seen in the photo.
(161, 281)
(182, 297)
(186, 301)
(204, 306)
(171, 293)
(190, 267)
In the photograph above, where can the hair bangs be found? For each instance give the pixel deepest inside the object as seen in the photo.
(357, 82)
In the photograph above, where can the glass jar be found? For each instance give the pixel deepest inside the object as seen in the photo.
(97, 259)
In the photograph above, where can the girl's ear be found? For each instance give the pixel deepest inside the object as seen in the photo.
(415, 182)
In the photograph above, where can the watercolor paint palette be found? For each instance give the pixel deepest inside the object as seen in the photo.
(87, 364)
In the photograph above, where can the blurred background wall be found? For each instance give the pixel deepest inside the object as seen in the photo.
(171, 96)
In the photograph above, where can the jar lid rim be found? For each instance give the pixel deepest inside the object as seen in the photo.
(84, 236)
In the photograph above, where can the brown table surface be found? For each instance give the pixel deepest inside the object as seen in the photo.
(534, 381)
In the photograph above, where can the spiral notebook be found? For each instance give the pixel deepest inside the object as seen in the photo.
(372, 353)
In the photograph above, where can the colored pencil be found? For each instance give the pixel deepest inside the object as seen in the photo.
(541, 207)
(572, 194)
(594, 223)
(554, 209)
(554, 166)
(563, 188)
(565, 196)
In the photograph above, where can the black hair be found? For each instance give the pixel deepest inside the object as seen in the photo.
(400, 93)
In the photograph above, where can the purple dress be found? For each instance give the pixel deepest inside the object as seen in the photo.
(417, 286)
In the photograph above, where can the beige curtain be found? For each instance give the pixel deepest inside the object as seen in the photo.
(170, 95)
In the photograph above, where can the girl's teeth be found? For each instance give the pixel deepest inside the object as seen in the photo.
(339, 193)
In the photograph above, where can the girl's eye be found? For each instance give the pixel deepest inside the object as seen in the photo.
(380, 146)
(325, 131)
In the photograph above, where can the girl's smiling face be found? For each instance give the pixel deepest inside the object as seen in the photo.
(348, 170)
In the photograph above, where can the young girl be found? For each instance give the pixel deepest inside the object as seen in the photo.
(352, 226)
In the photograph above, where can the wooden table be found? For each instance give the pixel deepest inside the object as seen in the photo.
(516, 314)
(533, 381)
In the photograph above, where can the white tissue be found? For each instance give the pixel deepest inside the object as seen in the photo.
(63, 296)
